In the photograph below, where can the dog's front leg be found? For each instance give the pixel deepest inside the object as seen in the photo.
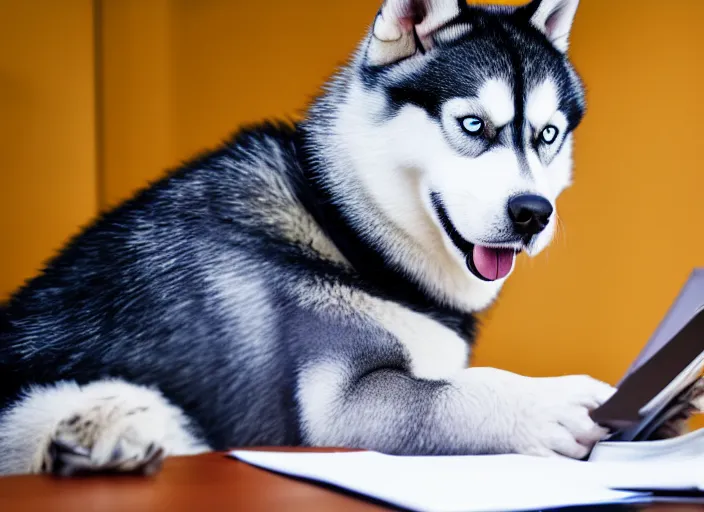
(481, 410)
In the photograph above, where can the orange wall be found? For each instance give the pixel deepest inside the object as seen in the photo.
(47, 130)
(178, 76)
(135, 85)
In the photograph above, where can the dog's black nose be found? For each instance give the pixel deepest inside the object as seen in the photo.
(529, 214)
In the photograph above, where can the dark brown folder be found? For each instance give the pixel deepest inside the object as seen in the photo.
(656, 386)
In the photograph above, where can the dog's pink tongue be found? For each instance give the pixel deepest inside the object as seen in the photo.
(491, 263)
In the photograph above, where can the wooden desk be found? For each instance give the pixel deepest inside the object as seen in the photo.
(203, 483)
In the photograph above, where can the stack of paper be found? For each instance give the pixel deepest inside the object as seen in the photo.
(484, 483)
(677, 449)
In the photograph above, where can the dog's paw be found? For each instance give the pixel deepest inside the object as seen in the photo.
(690, 403)
(674, 427)
(552, 415)
(112, 436)
(104, 426)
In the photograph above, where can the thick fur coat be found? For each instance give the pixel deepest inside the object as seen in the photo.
(316, 284)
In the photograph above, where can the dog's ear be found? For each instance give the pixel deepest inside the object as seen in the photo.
(553, 18)
(405, 27)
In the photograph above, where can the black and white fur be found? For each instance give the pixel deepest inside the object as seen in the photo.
(308, 284)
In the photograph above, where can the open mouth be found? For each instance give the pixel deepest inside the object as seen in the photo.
(485, 262)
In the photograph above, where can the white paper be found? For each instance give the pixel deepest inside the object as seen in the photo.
(677, 449)
(449, 484)
(654, 474)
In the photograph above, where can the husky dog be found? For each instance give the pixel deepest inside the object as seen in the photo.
(316, 284)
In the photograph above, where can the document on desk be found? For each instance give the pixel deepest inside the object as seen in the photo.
(454, 484)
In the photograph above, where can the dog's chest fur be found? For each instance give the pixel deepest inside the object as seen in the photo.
(435, 343)
(434, 350)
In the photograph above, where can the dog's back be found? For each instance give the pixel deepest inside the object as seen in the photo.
(183, 287)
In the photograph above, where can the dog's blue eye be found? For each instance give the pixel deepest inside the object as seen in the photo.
(549, 134)
(472, 125)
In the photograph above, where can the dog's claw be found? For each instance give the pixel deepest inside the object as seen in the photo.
(66, 460)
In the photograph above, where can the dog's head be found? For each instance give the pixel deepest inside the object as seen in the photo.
(456, 123)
